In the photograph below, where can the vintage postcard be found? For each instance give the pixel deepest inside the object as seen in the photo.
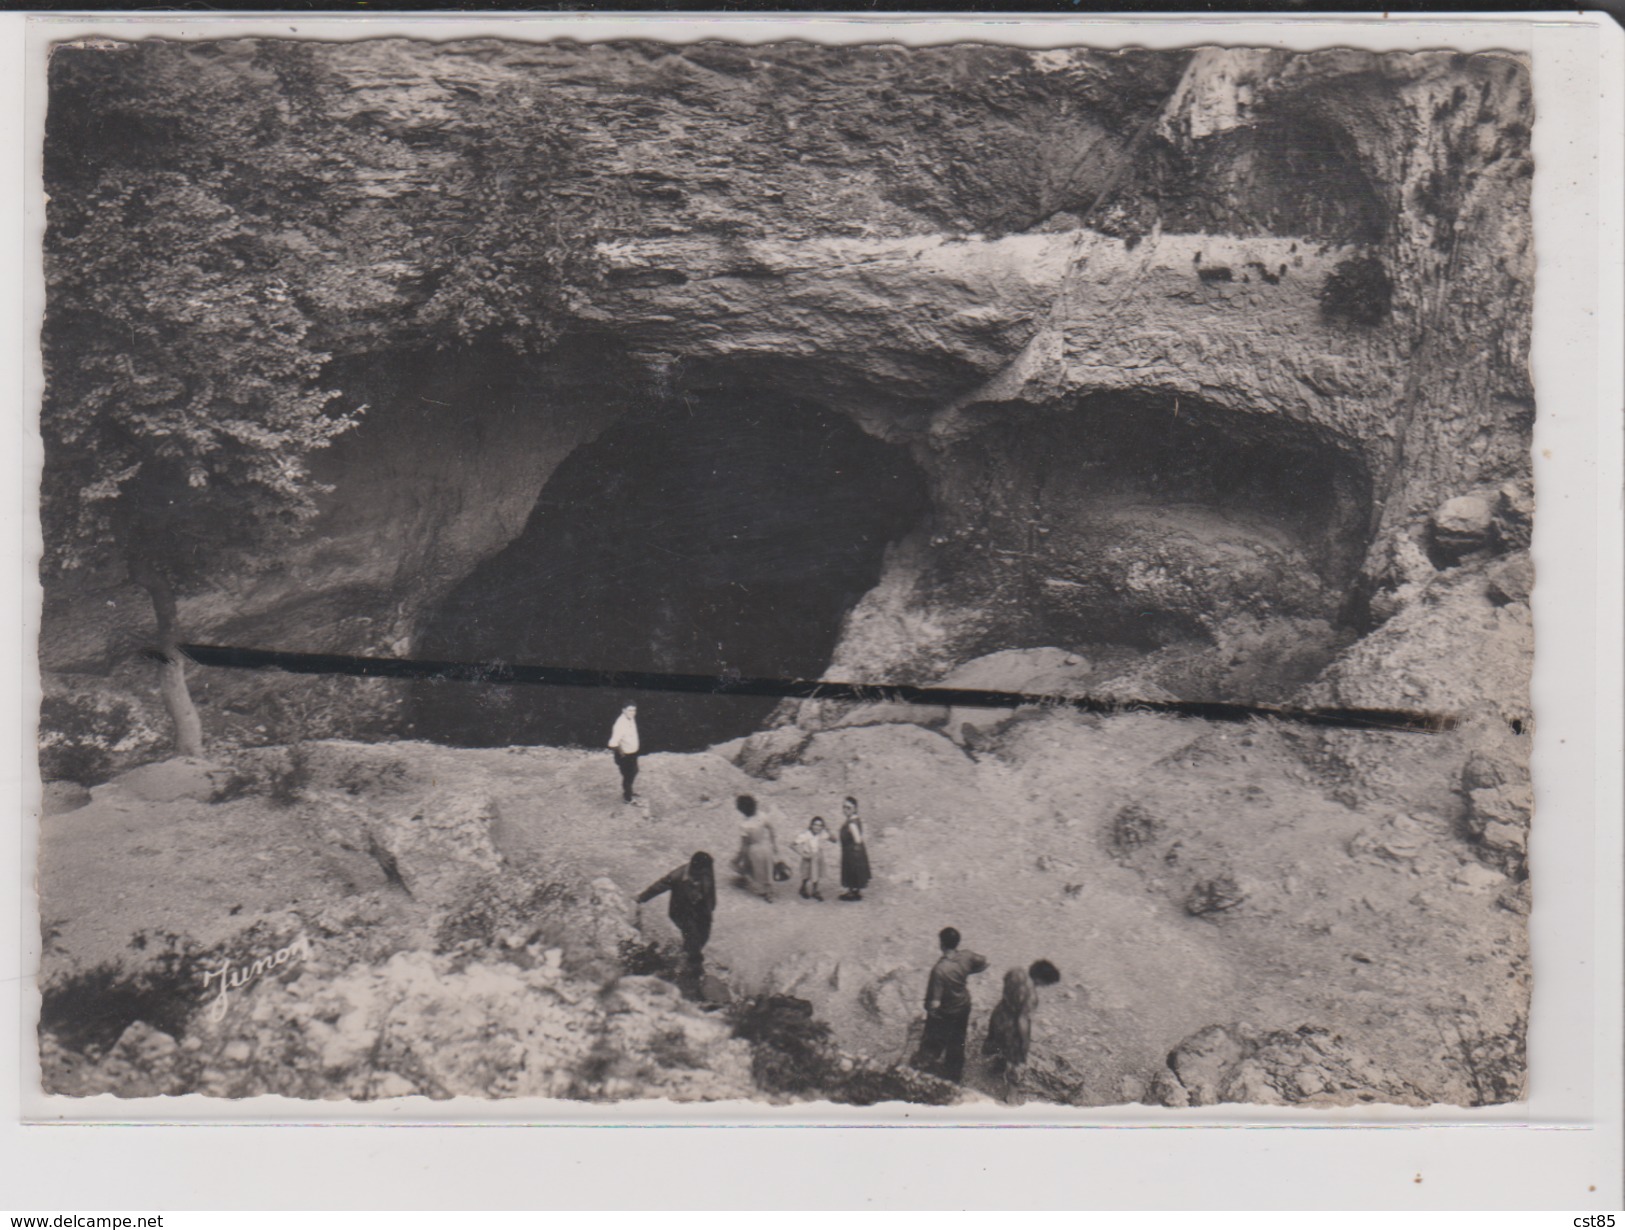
(787, 574)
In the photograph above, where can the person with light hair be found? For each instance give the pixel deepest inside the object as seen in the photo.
(1010, 1029)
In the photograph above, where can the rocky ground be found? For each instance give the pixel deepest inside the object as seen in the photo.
(1237, 915)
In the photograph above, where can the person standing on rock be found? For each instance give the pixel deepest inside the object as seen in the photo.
(947, 1008)
(810, 846)
(1010, 1028)
(758, 849)
(623, 741)
(693, 889)
(854, 853)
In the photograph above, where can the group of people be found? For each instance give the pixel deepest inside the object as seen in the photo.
(757, 864)
(693, 886)
(758, 867)
(948, 1010)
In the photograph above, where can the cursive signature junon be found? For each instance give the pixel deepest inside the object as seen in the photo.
(235, 977)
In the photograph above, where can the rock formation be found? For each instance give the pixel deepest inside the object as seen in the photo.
(1192, 352)
(1145, 375)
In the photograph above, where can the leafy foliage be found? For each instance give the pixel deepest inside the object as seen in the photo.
(1359, 290)
(792, 1052)
(160, 984)
(504, 912)
(86, 736)
(89, 1008)
(182, 395)
(791, 1049)
(649, 957)
(222, 217)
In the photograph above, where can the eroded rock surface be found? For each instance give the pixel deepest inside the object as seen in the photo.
(1308, 1066)
(1153, 391)
(419, 1025)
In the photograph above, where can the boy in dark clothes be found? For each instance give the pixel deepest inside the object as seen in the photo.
(947, 1008)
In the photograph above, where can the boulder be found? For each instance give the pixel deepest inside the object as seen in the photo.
(1514, 898)
(1166, 1090)
(1461, 526)
(807, 975)
(766, 753)
(1498, 818)
(171, 781)
(1307, 1065)
(1510, 580)
(438, 847)
(684, 787)
(1483, 771)
(892, 997)
(1250, 1083)
(1515, 513)
(1204, 1061)
(1477, 878)
(1399, 840)
(1500, 806)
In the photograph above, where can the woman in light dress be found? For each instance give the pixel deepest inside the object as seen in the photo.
(758, 849)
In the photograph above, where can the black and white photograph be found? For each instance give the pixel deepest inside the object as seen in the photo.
(787, 574)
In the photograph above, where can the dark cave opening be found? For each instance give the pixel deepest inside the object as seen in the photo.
(1147, 520)
(706, 533)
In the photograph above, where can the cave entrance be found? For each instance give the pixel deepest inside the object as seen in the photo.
(1215, 547)
(708, 533)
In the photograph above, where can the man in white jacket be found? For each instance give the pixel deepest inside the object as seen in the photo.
(623, 741)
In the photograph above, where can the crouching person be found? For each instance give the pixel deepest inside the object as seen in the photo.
(693, 889)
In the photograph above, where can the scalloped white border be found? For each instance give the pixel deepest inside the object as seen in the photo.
(1546, 1152)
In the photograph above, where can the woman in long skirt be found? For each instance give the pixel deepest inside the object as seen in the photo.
(758, 849)
(854, 853)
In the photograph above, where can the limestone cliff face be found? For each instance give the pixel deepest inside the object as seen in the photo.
(1186, 346)
(1204, 398)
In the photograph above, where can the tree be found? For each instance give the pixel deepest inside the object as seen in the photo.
(182, 399)
(222, 215)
